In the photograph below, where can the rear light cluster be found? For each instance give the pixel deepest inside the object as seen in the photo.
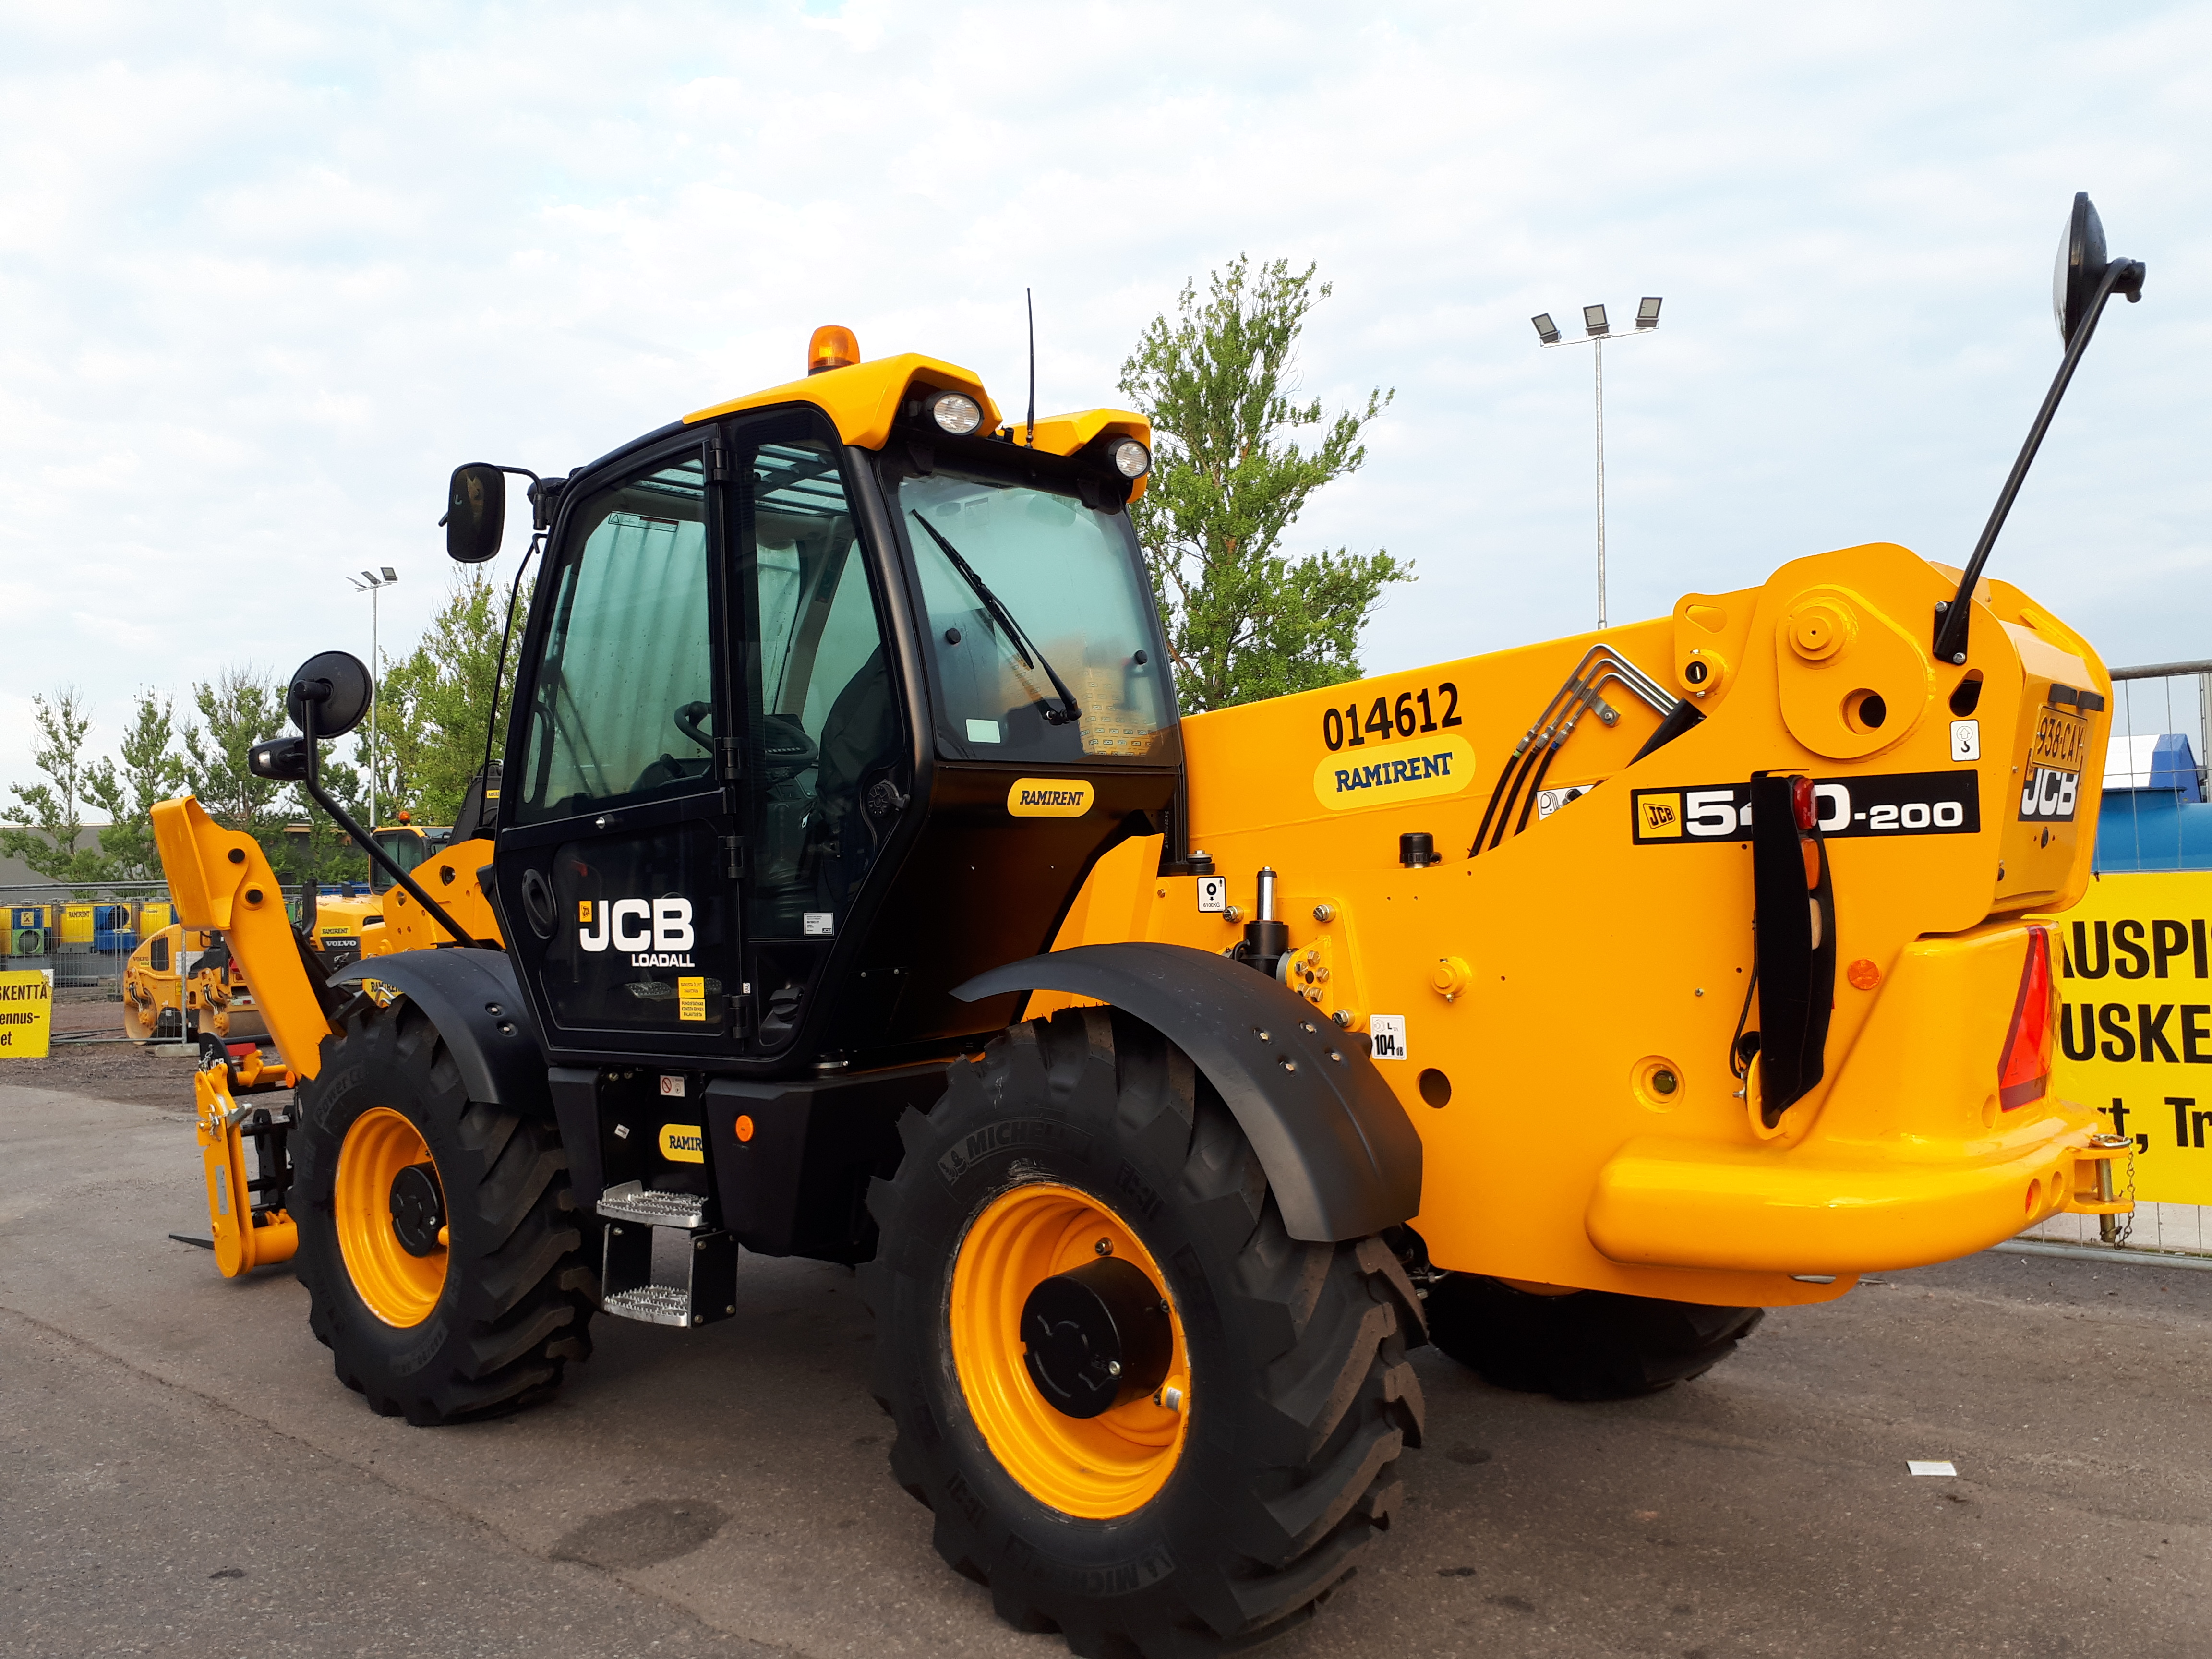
(1805, 807)
(2024, 1072)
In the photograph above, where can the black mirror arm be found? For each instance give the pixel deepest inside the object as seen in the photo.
(312, 784)
(2120, 277)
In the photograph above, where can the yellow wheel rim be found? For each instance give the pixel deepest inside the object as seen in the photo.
(399, 1289)
(1095, 1467)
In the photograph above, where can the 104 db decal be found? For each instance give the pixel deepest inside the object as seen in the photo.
(1885, 805)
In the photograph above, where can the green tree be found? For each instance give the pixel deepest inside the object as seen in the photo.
(151, 771)
(436, 700)
(240, 707)
(53, 811)
(1243, 620)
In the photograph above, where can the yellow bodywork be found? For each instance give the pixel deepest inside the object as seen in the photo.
(863, 399)
(222, 879)
(1546, 984)
(241, 1245)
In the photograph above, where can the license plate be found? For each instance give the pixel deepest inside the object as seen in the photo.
(2060, 740)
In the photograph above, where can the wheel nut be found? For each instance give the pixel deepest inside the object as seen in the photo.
(1104, 1246)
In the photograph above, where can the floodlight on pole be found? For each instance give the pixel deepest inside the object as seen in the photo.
(1596, 331)
(373, 586)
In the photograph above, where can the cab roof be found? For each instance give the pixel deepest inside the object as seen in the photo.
(862, 399)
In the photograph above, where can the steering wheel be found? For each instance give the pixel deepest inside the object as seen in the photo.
(789, 750)
(687, 721)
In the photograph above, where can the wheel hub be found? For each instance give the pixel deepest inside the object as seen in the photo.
(1096, 1337)
(418, 1208)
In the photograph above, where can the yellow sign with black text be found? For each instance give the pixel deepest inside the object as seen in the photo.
(26, 1014)
(683, 1143)
(2134, 1023)
(1050, 798)
(1383, 775)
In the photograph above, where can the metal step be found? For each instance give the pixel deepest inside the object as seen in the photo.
(655, 1305)
(648, 1206)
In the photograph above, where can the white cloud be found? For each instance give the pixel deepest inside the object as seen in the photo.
(266, 278)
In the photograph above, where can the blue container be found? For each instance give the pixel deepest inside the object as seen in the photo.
(2165, 826)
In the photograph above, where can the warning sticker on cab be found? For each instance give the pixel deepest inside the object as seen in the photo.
(1886, 805)
(1050, 798)
(1382, 775)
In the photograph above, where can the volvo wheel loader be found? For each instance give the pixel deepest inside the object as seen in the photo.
(861, 896)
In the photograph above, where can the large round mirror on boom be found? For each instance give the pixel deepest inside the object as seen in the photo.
(2081, 263)
(338, 685)
(475, 513)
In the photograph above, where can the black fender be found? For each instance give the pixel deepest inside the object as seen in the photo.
(1340, 1152)
(471, 997)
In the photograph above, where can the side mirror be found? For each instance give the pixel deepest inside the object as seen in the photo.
(2081, 261)
(338, 683)
(475, 513)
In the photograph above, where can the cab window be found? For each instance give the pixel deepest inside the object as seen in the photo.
(829, 730)
(621, 704)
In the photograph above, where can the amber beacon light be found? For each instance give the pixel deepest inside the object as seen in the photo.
(832, 347)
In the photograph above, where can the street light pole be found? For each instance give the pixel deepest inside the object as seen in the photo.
(1597, 357)
(373, 586)
(1595, 331)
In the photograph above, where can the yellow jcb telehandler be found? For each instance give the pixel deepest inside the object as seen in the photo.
(862, 896)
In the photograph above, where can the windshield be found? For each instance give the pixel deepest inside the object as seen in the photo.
(1069, 579)
(405, 848)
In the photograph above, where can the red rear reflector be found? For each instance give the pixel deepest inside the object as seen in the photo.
(1803, 803)
(2024, 1073)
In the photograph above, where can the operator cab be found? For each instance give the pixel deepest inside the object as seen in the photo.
(829, 700)
(408, 845)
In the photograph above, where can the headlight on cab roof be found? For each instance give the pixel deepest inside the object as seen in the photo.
(956, 412)
(1131, 459)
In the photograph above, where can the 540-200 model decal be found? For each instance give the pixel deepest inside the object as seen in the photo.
(1890, 804)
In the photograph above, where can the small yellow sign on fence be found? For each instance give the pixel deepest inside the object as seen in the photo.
(27, 1015)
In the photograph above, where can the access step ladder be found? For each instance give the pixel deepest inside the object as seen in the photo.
(638, 1216)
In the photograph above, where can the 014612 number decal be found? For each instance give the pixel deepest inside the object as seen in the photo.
(1410, 714)
(1886, 805)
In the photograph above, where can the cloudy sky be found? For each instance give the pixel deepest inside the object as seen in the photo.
(267, 274)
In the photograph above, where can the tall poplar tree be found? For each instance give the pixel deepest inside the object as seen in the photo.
(1244, 619)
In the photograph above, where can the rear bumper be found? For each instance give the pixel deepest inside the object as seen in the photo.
(1680, 1204)
(1906, 1157)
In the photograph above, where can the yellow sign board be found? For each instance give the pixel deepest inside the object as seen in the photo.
(27, 1015)
(2134, 994)
(1384, 775)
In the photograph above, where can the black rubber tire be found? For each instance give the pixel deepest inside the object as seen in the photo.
(1592, 1344)
(1302, 1397)
(519, 1293)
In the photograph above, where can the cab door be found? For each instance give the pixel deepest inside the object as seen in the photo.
(618, 848)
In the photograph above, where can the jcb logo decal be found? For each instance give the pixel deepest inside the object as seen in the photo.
(655, 932)
(683, 1143)
(1050, 798)
(1392, 773)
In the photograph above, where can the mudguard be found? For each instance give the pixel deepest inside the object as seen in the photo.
(471, 997)
(1338, 1151)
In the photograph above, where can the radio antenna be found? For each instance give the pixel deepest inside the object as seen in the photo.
(1029, 298)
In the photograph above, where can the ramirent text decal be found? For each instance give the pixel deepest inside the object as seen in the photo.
(1050, 798)
(1385, 774)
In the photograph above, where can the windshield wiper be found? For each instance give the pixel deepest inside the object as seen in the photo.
(1067, 712)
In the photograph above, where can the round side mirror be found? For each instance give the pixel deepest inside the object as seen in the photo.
(475, 513)
(2081, 263)
(339, 684)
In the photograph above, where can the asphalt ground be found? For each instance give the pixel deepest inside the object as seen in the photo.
(180, 1475)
